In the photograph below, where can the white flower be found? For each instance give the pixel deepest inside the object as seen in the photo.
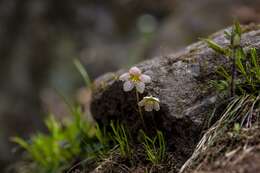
(135, 78)
(149, 103)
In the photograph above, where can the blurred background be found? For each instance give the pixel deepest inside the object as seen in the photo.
(39, 39)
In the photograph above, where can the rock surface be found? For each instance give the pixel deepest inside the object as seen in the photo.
(181, 82)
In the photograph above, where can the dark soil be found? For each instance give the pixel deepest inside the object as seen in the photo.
(231, 153)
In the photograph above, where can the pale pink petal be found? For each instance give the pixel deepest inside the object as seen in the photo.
(141, 103)
(124, 77)
(145, 78)
(140, 86)
(135, 71)
(148, 107)
(156, 106)
(128, 86)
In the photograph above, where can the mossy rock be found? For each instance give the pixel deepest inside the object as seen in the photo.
(181, 82)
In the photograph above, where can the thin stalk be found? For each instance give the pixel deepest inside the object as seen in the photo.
(139, 108)
(234, 73)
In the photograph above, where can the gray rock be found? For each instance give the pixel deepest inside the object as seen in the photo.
(181, 82)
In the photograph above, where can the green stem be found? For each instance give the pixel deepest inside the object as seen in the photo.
(139, 108)
(233, 79)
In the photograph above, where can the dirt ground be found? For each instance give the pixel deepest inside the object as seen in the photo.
(232, 153)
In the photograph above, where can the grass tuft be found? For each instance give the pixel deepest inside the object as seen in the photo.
(121, 137)
(155, 148)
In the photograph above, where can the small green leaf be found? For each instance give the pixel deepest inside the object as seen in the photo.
(239, 57)
(236, 35)
(237, 28)
(227, 35)
(237, 127)
(21, 142)
(216, 47)
(255, 62)
(223, 72)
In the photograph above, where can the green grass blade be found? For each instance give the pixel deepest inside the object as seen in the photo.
(83, 73)
(216, 47)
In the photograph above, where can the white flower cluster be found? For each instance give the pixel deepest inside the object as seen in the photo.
(135, 79)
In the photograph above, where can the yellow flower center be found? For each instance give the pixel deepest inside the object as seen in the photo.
(150, 102)
(135, 78)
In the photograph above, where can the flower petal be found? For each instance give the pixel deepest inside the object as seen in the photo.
(128, 86)
(124, 77)
(145, 78)
(155, 99)
(135, 71)
(140, 86)
(141, 103)
(148, 107)
(156, 106)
